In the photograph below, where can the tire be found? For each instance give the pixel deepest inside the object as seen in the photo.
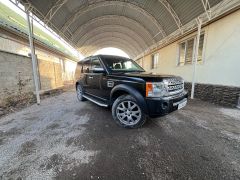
(127, 112)
(79, 90)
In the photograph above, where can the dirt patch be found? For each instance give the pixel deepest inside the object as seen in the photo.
(12, 132)
(233, 113)
(53, 126)
(16, 102)
(27, 148)
(74, 141)
(31, 118)
(54, 161)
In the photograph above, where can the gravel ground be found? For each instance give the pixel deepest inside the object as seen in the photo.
(65, 139)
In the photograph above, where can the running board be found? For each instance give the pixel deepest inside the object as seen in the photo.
(94, 101)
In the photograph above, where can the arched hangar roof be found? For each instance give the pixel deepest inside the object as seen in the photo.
(131, 25)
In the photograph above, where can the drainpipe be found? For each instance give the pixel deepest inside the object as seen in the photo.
(199, 22)
(33, 56)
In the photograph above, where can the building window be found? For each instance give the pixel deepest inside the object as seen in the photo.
(186, 51)
(155, 58)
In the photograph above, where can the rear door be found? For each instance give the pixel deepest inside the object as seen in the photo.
(85, 71)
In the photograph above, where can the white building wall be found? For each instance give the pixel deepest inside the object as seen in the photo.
(221, 57)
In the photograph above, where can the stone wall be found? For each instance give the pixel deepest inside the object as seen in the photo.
(50, 75)
(15, 74)
(217, 94)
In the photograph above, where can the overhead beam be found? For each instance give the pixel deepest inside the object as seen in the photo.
(81, 11)
(218, 11)
(173, 13)
(57, 5)
(40, 19)
(207, 8)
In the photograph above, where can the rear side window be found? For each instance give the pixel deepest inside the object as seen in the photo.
(86, 66)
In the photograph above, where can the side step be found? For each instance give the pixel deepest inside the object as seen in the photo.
(95, 101)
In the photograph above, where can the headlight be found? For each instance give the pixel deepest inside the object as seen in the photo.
(156, 89)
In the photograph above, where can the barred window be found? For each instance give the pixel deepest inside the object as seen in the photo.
(186, 50)
(155, 58)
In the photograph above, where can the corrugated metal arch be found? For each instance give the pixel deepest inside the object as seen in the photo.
(150, 19)
(104, 4)
(113, 44)
(112, 28)
(103, 35)
(116, 40)
(115, 20)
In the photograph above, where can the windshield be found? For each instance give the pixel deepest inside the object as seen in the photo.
(120, 64)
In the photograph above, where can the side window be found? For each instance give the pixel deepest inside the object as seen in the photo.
(96, 66)
(86, 66)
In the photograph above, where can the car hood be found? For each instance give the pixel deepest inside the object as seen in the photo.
(149, 76)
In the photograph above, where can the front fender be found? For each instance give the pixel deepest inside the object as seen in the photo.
(133, 92)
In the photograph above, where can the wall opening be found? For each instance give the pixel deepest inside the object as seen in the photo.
(112, 51)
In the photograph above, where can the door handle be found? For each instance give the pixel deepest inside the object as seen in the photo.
(90, 77)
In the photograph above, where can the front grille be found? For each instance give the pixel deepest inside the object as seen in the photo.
(175, 85)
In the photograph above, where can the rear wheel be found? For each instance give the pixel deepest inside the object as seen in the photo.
(80, 93)
(127, 112)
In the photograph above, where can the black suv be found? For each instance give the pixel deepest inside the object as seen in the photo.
(132, 93)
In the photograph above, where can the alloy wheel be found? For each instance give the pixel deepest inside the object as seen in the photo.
(128, 112)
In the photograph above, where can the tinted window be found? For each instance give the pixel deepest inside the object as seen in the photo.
(85, 66)
(96, 65)
(121, 64)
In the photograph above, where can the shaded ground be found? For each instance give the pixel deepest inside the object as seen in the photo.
(65, 139)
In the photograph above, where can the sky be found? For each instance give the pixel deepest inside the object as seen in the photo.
(108, 51)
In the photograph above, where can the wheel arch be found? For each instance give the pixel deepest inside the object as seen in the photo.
(125, 89)
(76, 84)
(79, 82)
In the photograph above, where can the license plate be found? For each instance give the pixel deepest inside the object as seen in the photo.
(182, 104)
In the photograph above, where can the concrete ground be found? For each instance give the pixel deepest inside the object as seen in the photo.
(65, 139)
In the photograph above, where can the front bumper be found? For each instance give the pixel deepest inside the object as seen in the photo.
(162, 106)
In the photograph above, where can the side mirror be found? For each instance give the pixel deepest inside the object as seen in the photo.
(98, 70)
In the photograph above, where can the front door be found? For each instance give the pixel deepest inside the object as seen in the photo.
(95, 78)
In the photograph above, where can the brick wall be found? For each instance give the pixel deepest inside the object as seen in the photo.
(217, 94)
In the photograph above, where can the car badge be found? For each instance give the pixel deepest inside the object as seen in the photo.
(110, 84)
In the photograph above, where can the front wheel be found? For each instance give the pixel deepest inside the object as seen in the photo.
(127, 112)
(80, 93)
